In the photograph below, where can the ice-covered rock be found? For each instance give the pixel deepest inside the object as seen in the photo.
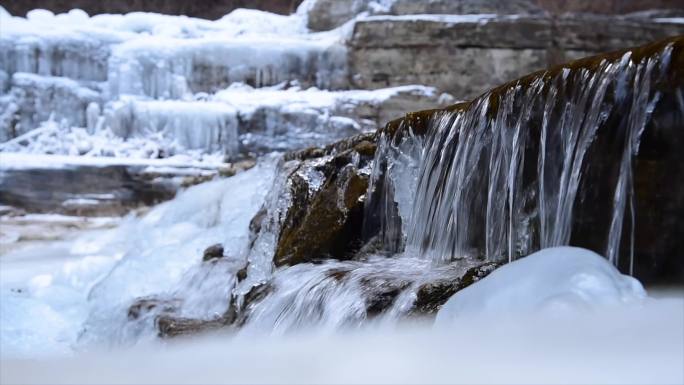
(211, 127)
(33, 99)
(239, 119)
(556, 280)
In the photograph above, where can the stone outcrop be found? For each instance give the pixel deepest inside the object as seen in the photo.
(325, 190)
(432, 295)
(328, 14)
(67, 186)
(466, 55)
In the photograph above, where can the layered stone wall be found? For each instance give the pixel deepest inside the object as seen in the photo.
(467, 54)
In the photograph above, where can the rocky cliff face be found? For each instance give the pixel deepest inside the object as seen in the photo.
(468, 55)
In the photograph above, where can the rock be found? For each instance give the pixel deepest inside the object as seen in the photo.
(464, 7)
(41, 183)
(213, 253)
(432, 295)
(380, 293)
(325, 190)
(324, 15)
(145, 305)
(469, 55)
(250, 300)
(170, 326)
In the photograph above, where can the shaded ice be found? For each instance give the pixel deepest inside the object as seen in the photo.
(556, 280)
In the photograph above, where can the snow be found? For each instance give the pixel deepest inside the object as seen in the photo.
(556, 280)
(637, 345)
(18, 161)
(438, 18)
(673, 20)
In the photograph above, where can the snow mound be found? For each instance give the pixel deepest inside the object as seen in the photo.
(555, 280)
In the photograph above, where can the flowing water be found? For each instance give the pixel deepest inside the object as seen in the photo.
(499, 178)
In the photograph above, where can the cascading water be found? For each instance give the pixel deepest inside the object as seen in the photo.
(500, 177)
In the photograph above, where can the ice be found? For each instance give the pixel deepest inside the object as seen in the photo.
(210, 127)
(159, 55)
(39, 98)
(163, 252)
(556, 281)
(94, 277)
(163, 67)
(239, 118)
(250, 82)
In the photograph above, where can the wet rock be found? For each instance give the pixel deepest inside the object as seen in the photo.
(249, 301)
(213, 252)
(321, 200)
(432, 295)
(170, 326)
(145, 305)
(242, 273)
(381, 293)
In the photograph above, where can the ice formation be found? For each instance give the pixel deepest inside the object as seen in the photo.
(142, 74)
(556, 280)
(95, 277)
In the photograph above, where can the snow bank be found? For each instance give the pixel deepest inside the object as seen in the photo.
(555, 280)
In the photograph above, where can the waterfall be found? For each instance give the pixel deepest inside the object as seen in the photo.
(500, 177)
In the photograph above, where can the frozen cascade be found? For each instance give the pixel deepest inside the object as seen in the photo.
(499, 177)
(207, 126)
(159, 256)
(174, 68)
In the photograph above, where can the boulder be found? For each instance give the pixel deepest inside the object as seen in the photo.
(320, 201)
(213, 253)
